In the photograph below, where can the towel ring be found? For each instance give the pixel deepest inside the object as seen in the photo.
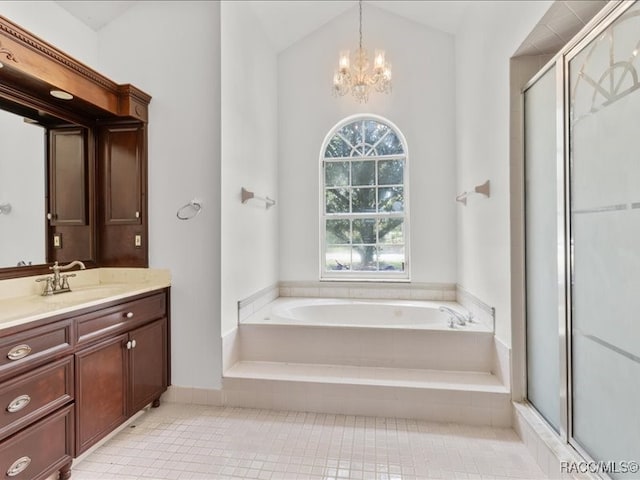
(194, 205)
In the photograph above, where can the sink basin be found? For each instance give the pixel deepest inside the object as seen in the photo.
(84, 294)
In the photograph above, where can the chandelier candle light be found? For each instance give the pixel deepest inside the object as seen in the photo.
(358, 79)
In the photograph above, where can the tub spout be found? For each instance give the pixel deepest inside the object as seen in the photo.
(454, 316)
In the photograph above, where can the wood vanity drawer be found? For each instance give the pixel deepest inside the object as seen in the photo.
(26, 349)
(35, 394)
(122, 317)
(40, 449)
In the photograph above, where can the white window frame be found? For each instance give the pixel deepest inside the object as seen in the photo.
(348, 275)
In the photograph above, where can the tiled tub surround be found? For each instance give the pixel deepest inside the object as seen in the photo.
(433, 373)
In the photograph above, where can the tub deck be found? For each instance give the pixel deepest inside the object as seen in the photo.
(433, 373)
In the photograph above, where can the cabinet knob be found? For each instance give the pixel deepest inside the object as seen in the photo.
(18, 466)
(129, 315)
(19, 351)
(133, 344)
(18, 403)
(137, 214)
(129, 345)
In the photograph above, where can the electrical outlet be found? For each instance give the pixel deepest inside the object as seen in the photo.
(57, 240)
(138, 241)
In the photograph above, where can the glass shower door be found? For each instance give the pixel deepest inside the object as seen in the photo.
(604, 136)
(541, 237)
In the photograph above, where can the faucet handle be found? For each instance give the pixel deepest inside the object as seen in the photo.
(65, 280)
(48, 286)
(54, 267)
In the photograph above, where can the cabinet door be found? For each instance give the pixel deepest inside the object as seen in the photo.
(67, 177)
(101, 389)
(122, 229)
(148, 363)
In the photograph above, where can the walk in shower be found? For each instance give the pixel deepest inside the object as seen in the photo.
(582, 232)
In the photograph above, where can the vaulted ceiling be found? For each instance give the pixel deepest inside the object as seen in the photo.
(287, 21)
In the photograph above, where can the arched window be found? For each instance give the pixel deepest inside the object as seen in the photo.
(364, 206)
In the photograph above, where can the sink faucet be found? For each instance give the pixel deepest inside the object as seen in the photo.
(454, 316)
(59, 283)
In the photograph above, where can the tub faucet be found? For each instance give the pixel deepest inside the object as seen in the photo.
(454, 316)
(58, 283)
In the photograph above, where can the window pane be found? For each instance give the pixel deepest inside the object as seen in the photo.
(364, 230)
(391, 199)
(353, 134)
(390, 172)
(336, 174)
(337, 258)
(364, 258)
(373, 131)
(363, 173)
(391, 230)
(390, 145)
(337, 148)
(337, 200)
(338, 231)
(364, 200)
(391, 258)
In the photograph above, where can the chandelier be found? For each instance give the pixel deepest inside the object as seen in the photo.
(358, 79)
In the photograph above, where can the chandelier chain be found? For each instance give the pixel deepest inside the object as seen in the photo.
(360, 2)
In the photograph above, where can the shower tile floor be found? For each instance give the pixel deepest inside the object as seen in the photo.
(178, 441)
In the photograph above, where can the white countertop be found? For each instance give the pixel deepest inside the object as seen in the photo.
(21, 301)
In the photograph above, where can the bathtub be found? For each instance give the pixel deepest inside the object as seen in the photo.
(338, 312)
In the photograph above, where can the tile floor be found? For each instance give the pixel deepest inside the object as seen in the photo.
(177, 441)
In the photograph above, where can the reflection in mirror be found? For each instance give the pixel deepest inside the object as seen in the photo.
(22, 185)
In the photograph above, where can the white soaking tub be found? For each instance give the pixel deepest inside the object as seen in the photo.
(396, 314)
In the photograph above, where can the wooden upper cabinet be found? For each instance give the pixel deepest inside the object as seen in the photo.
(121, 197)
(68, 201)
(121, 164)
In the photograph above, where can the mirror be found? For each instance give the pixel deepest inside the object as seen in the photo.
(42, 172)
(22, 189)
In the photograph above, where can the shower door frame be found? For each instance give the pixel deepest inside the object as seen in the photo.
(603, 20)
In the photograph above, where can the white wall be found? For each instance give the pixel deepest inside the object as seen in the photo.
(421, 105)
(171, 50)
(22, 183)
(249, 158)
(491, 33)
(56, 26)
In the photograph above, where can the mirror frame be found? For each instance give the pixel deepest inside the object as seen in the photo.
(31, 68)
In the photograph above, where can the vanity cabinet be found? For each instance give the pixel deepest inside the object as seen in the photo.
(121, 365)
(68, 381)
(37, 400)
